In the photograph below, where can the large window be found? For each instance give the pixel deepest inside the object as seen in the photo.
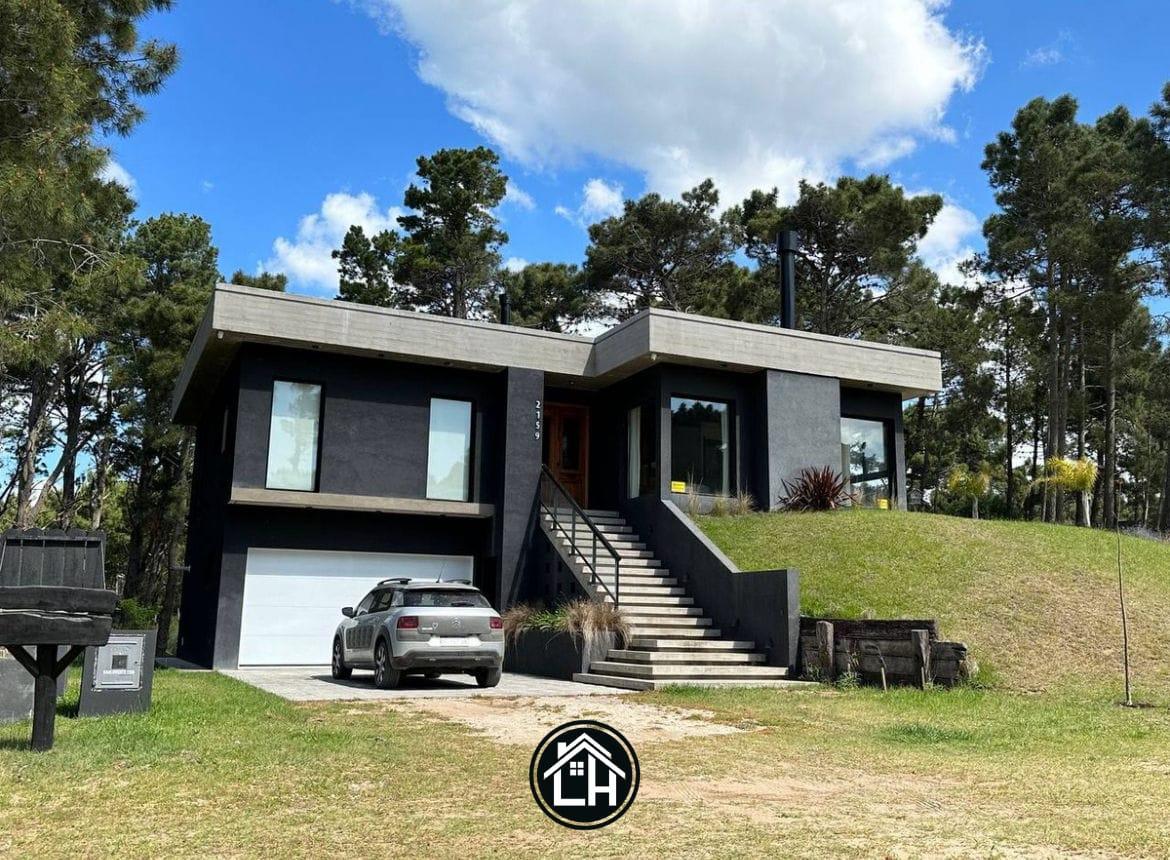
(449, 451)
(642, 450)
(700, 445)
(293, 436)
(864, 461)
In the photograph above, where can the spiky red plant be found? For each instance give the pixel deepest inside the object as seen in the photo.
(816, 489)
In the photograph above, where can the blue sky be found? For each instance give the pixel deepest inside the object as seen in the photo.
(286, 121)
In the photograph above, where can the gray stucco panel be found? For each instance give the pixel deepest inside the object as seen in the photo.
(803, 427)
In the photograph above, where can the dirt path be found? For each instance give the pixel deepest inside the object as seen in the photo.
(524, 722)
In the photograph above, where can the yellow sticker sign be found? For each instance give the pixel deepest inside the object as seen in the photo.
(678, 486)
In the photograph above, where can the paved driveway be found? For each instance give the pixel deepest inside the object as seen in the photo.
(314, 684)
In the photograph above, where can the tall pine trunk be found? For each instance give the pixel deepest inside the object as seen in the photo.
(1108, 487)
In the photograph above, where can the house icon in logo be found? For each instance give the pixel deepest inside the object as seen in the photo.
(576, 770)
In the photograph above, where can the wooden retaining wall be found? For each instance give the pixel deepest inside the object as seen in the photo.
(909, 650)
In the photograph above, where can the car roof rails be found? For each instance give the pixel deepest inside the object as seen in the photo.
(399, 580)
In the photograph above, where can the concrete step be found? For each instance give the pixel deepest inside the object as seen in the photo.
(580, 528)
(653, 644)
(605, 561)
(650, 576)
(655, 631)
(626, 589)
(655, 672)
(630, 600)
(689, 658)
(644, 684)
(640, 620)
(661, 611)
(598, 520)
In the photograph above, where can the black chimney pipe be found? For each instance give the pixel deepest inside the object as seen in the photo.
(786, 246)
(505, 308)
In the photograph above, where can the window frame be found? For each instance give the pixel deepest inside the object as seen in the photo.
(472, 448)
(732, 442)
(888, 440)
(317, 459)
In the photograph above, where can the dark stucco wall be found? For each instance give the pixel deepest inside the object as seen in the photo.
(210, 486)
(803, 427)
(517, 461)
(885, 405)
(375, 420)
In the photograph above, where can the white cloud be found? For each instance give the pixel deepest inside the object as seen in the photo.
(1051, 54)
(885, 151)
(515, 264)
(112, 171)
(517, 196)
(752, 94)
(947, 243)
(207, 185)
(599, 200)
(307, 258)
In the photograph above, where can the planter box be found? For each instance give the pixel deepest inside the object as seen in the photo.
(554, 655)
(117, 678)
(16, 688)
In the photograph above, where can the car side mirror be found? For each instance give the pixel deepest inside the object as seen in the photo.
(348, 611)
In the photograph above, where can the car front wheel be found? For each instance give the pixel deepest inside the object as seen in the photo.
(386, 677)
(487, 677)
(341, 672)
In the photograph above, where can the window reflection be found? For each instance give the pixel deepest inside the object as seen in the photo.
(293, 435)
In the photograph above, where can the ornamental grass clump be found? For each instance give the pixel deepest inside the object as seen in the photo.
(816, 489)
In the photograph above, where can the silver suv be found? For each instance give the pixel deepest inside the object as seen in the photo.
(409, 626)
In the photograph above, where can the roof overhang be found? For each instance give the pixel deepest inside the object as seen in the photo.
(238, 315)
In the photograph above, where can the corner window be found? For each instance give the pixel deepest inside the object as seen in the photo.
(449, 451)
(864, 462)
(700, 445)
(642, 447)
(293, 436)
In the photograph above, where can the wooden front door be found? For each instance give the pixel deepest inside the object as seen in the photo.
(566, 447)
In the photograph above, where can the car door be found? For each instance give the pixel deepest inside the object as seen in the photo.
(354, 631)
(377, 615)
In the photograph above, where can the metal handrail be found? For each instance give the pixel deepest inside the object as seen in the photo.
(549, 480)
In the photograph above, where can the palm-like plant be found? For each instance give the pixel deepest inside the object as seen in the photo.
(971, 484)
(816, 489)
(1073, 476)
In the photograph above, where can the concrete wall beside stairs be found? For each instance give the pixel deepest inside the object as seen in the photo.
(760, 605)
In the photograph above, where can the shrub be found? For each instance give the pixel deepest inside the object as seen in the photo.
(742, 502)
(132, 615)
(720, 505)
(815, 489)
(584, 618)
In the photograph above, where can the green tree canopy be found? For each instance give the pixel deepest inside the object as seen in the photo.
(675, 254)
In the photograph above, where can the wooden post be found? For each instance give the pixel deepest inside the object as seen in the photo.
(825, 653)
(44, 698)
(921, 642)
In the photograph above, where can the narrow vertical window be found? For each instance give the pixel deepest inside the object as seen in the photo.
(293, 436)
(449, 451)
(642, 450)
(634, 450)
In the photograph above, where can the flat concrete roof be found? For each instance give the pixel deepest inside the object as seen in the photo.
(238, 315)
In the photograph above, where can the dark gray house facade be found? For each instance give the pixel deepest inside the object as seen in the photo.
(339, 444)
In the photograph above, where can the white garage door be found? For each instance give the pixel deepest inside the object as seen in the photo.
(293, 598)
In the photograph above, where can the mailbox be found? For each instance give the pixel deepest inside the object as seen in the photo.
(118, 676)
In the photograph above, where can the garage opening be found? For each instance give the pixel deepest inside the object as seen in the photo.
(293, 598)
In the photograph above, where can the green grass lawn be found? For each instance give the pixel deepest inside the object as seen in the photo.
(1036, 603)
(219, 768)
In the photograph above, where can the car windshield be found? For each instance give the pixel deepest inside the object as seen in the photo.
(443, 597)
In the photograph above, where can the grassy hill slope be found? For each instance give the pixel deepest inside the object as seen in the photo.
(1036, 603)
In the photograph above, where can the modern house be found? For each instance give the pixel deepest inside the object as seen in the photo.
(341, 444)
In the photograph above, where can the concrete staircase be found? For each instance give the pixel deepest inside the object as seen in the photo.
(672, 641)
